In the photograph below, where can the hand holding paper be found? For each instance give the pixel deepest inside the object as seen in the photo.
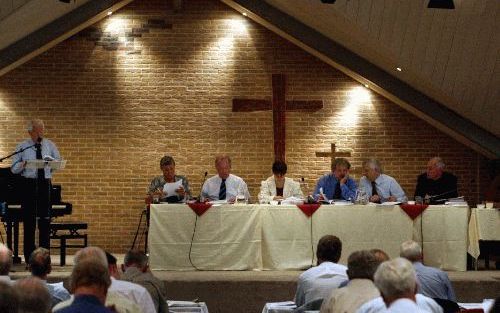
(170, 189)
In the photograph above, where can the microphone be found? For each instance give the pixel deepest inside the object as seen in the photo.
(39, 140)
(201, 188)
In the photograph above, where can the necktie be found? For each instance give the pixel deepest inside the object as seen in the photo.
(338, 191)
(374, 190)
(222, 190)
(41, 172)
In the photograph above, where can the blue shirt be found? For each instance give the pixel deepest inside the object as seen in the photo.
(85, 304)
(48, 149)
(386, 186)
(433, 282)
(57, 292)
(328, 182)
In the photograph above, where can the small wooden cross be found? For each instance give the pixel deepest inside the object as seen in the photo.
(279, 105)
(337, 154)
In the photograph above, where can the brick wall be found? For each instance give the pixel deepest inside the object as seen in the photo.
(147, 82)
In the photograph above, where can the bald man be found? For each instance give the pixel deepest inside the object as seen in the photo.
(436, 185)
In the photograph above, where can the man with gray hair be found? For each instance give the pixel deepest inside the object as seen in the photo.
(5, 264)
(378, 186)
(397, 283)
(436, 185)
(33, 295)
(36, 185)
(8, 298)
(224, 185)
(136, 270)
(361, 265)
(433, 282)
(40, 267)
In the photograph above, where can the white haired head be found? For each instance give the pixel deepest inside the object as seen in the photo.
(396, 279)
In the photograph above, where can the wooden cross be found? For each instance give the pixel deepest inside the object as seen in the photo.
(279, 105)
(337, 154)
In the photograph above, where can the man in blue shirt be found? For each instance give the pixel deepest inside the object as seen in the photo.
(337, 184)
(433, 282)
(37, 185)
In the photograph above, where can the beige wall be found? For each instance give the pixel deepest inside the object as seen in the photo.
(115, 113)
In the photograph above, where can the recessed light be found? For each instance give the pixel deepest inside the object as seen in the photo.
(244, 14)
(110, 12)
(366, 85)
(398, 69)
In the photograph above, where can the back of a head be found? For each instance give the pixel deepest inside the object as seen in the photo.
(90, 273)
(380, 255)
(8, 299)
(33, 295)
(411, 250)
(362, 264)
(40, 262)
(135, 258)
(110, 258)
(329, 249)
(396, 278)
(92, 253)
(5, 260)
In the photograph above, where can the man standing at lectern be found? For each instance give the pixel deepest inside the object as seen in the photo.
(36, 185)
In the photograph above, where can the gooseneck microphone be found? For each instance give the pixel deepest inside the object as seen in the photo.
(202, 183)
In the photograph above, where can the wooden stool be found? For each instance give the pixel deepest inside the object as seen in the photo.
(67, 230)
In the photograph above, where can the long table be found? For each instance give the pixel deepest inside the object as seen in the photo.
(265, 237)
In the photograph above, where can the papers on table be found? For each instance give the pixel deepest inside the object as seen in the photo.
(340, 202)
(292, 201)
(456, 201)
(279, 307)
(486, 305)
(187, 307)
(218, 202)
(390, 203)
(170, 188)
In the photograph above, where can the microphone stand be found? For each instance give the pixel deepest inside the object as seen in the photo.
(17, 152)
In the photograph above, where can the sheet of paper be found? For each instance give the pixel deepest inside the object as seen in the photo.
(170, 188)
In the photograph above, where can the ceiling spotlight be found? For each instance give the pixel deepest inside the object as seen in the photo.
(110, 12)
(244, 14)
(441, 4)
(328, 1)
(398, 69)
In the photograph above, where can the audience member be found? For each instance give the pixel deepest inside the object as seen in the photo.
(40, 266)
(397, 282)
(378, 186)
(319, 281)
(8, 298)
(224, 185)
(337, 184)
(113, 299)
(89, 284)
(5, 264)
(377, 305)
(380, 255)
(136, 269)
(435, 185)
(134, 292)
(433, 282)
(33, 295)
(167, 166)
(361, 266)
(278, 187)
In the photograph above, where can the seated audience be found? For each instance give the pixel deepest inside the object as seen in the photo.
(380, 255)
(167, 166)
(435, 185)
(378, 186)
(337, 184)
(433, 282)
(40, 267)
(278, 187)
(319, 281)
(224, 185)
(33, 295)
(8, 298)
(89, 283)
(131, 291)
(135, 269)
(397, 283)
(361, 266)
(5, 264)
(113, 299)
(377, 305)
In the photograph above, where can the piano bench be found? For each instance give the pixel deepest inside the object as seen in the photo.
(64, 231)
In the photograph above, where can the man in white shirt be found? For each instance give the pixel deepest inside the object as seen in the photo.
(224, 185)
(378, 186)
(319, 281)
(5, 264)
(397, 282)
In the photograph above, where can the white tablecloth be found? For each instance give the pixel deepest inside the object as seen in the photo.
(484, 224)
(279, 237)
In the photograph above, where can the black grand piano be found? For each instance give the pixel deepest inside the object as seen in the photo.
(11, 210)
